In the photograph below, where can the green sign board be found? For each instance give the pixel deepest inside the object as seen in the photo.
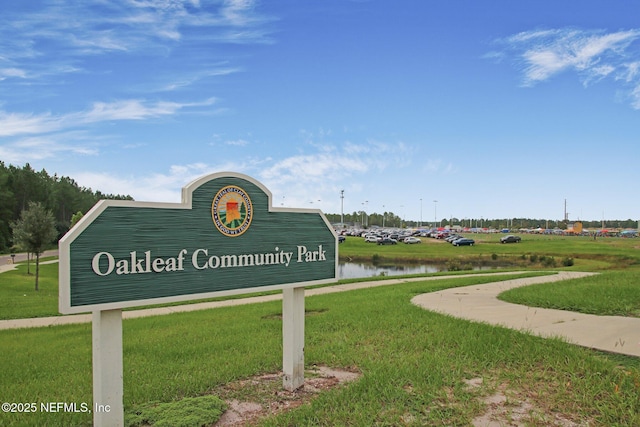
(224, 238)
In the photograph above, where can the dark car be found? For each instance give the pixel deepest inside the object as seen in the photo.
(510, 239)
(341, 239)
(387, 241)
(464, 242)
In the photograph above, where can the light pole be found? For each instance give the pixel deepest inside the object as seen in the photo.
(435, 214)
(384, 215)
(420, 212)
(366, 205)
(342, 207)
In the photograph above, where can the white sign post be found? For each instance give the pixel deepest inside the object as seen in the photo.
(293, 338)
(108, 407)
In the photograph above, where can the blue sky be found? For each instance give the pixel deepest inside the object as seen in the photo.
(495, 109)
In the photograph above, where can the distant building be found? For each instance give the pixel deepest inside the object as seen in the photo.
(574, 227)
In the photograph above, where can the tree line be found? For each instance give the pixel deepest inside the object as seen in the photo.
(392, 220)
(59, 195)
(64, 198)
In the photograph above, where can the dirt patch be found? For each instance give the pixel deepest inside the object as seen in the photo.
(506, 407)
(252, 399)
(263, 395)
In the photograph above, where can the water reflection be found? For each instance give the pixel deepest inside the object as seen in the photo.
(355, 270)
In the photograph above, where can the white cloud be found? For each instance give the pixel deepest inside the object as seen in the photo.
(237, 143)
(548, 53)
(12, 124)
(635, 97)
(65, 32)
(16, 124)
(238, 12)
(45, 147)
(12, 72)
(131, 109)
(311, 180)
(186, 79)
(593, 55)
(318, 177)
(153, 188)
(629, 72)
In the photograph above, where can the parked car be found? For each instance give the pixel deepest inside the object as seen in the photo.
(371, 239)
(387, 241)
(341, 239)
(464, 242)
(411, 240)
(510, 239)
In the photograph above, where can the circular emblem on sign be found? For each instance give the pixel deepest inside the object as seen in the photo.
(232, 211)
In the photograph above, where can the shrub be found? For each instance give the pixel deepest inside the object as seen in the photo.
(453, 265)
(190, 411)
(567, 262)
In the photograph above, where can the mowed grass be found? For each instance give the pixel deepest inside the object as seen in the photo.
(414, 363)
(614, 293)
(18, 298)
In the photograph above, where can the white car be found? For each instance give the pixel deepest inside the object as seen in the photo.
(371, 239)
(410, 240)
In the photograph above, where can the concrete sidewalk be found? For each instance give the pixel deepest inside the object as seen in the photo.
(478, 303)
(37, 322)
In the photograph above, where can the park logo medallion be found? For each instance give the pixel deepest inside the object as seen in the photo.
(232, 211)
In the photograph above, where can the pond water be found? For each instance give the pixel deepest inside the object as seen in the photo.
(354, 270)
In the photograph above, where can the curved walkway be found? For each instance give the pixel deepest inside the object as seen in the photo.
(614, 334)
(477, 302)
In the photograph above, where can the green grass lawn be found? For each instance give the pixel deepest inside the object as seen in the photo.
(614, 293)
(414, 363)
(18, 298)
